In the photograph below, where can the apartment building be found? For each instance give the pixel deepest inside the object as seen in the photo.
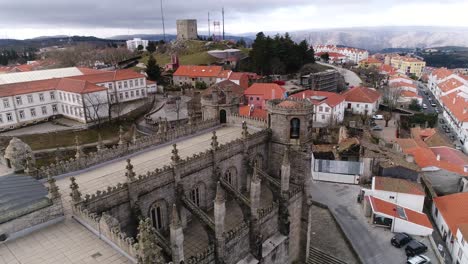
(329, 108)
(408, 65)
(190, 74)
(352, 54)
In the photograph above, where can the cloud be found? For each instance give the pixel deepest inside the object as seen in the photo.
(30, 18)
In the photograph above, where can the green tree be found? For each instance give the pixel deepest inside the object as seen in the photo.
(414, 105)
(151, 47)
(152, 69)
(140, 47)
(241, 43)
(200, 85)
(325, 57)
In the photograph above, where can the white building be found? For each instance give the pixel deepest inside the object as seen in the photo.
(85, 98)
(450, 214)
(397, 218)
(456, 113)
(398, 191)
(360, 100)
(460, 252)
(352, 54)
(329, 108)
(134, 43)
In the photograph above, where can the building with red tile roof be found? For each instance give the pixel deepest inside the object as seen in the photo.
(360, 100)
(450, 85)
(247, 110)
(259, 93)
(449, 213)
(328, 106)
(190, 74)
(370, 62)
(84, 97)
(398, 218)
(352, 54)
(387, 69)
(334, 57)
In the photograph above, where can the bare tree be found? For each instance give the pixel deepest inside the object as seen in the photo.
(387, 117)
(391, 96)
(94, 106)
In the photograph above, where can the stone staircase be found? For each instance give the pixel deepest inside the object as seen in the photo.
(317, 256)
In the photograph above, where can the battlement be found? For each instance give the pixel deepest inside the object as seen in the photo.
(250, 121)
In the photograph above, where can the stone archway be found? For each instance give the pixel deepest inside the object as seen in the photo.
(222, 116)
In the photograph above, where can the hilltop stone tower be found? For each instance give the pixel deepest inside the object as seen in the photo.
(187, 29)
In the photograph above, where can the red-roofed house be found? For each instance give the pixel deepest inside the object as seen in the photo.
(190, 74)
(352, 54)
(247, 110)
(460, 251)
(360, 100)
(259, 93)
(387, 69)
(456, 114)
(370, 62)
(437, 76)
(396, 217)
(449, 213)
(334, 57)
(449, 86)
(328, 107)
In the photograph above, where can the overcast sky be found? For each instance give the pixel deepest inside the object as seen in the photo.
(104, 18)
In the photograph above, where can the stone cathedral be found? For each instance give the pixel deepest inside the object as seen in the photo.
(245, 201)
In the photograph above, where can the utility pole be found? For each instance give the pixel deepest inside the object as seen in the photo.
(162, 18)
(223, 20)
(209, 33)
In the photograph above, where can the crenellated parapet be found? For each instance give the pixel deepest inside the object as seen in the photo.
(238, 231)
(249, 120)
(207, 256)
(105, 229)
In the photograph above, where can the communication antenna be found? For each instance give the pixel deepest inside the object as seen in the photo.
(209, 33)
(162, 18)
(222, 10)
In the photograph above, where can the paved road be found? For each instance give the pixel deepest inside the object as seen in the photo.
(371, 243)
(349, 76)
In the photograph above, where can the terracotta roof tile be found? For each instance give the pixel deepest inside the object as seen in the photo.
(451, 207)
(198, 71)
(464, 230)
(361, 94)
(397, 185)
(331, 99)
(449, 85)
(267, 90)
(256, 112)
(441, 73)
(370, 60)
(458, 105)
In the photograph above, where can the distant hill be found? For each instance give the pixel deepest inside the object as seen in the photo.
(53, 41)
(378, 38)
(448, 56)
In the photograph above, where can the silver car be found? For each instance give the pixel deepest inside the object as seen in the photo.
(421, 259)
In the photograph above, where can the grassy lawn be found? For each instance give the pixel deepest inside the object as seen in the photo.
(67, 138)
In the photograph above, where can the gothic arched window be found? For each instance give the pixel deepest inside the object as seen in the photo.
(295, 128)
(158, 215)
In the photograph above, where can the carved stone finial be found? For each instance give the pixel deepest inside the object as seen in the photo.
(79, 152)
(100, 145)
(175, 221)
(219, 193)
(214, 141)
(148, 251)
(130, 174)
(175, 154)
(53, 188)
(121, 139)
(245, 132)
(75, 193)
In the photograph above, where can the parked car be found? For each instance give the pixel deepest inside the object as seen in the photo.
(433, 104)
(421, 259)
(458, 147)
(437, 110)
(441, 121)
(447, 130)
(414, 248)
(426, 92)
(377, 117)
(424, 106)
(377, 128)
(400, 240)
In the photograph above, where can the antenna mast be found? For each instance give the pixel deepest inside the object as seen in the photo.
(223, 21)
(209, 33)
(162, 18)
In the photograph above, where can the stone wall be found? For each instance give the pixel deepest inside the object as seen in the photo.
(122, 150)
(236, 119)
(26, 223)
(237, 243)
(110, 234)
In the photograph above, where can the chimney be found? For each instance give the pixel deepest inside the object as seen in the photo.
(465, 110)
(409, 158)
(465, 168)
(454, 99)
(273, 93)
(438, 157)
